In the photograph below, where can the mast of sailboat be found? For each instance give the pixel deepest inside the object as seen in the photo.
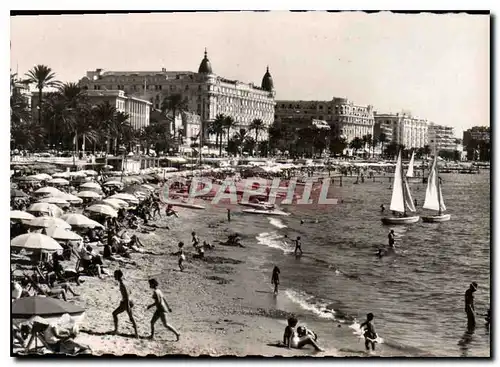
(402, 180)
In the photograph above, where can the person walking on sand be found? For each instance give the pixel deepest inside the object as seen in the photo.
(161, 310)
(298, 246)
(369, 332)
(125, 304)
(469, 306)
(275, 279)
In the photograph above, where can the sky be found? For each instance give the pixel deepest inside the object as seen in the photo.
(436, 66)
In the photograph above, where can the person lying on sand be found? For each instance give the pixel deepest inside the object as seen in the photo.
(125, 304)
(291, 338)
(169, 211)
(161, 310)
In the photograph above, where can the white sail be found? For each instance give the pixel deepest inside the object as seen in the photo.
(408, 199)
(397, 200)
(441, 201)
(432, 193)
(410, 173)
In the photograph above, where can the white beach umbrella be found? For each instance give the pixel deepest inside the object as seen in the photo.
(80, 220)
(148, 187)
(116, 203)
(89, 194)
(55, 200)
(58, 181)
(90, 172)
(127, 197)
(20, 215)
(103, 210)
(43, 176)
(46, 222)
(113, 183)
(91, 185)
(61, 175)
(60, 233)
(70, 198)
(48, 190)
(35, 241)
(46, 208)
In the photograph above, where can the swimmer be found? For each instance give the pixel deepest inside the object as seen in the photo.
(382, 208)
(298, 246)
(275, 279)
(369, 332)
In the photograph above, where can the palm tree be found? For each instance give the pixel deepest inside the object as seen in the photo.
(240, 138)
(367, 140)
(104, 114)
(382, 138)
(120, 128)
(43, 77)
(356, 144)
(374, 144)
(229, 123)
(257, 125)
(174, 103)
(217, 127)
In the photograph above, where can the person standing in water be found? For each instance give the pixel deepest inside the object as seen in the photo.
(298, 246)
(161, 310)
(382, 208)
(275, 279)
(469, 305)
(392, 238)
(125, 304)
(369, 332)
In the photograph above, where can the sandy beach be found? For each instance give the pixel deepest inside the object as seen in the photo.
(214, 301)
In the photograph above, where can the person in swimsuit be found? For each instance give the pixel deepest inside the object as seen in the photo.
(291, 338)
(181, 255)
(298, 246)
(275, 279)
(382, 208)
(195, 239)
(125, 304)
(161, 310)
(469, 306)
(392, 238)
(369, 332)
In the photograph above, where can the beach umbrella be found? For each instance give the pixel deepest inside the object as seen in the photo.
(46, 222)
(61, 175)
(116, 203)
(43, 176)
(27, 307)
(58, 181)
(127, 197)
(20, 215)
(77, 174)
(50, 209)
(107, 166)
(52, 191)
(17, 194)
(55, 200)
(89, 194)
(90, 172)
(80, 220)
(91, 185)
(148, 187)
(136, 179)
(28, 178)
(70, 198)
(60, 233)
(113, 183)
(35, 241)
(102, 209)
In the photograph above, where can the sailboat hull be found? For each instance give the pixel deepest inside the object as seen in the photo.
(436, 218)
(402, 220)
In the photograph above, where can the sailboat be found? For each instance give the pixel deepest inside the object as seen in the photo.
(401, 198)
(434, 196)
(410, 173)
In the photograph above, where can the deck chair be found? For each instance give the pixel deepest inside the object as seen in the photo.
(68, 347)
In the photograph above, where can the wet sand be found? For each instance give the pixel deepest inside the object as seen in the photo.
(218, 303)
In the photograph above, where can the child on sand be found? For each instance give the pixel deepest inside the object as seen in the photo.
(181, 255)
(161, 310)
(369, 332)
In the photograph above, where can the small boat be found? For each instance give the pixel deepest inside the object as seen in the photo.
(184, 205)
(410, 173)
(266, 212)
(260, 205)
(401, 198)
(434, 197)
